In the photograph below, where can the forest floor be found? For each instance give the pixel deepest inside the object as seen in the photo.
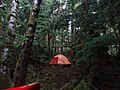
(53, 77)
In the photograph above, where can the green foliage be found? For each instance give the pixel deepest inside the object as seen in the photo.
(70, 85)
(82, 86)
(96, 48)
(43, 22)
(19, 40)
(3, 22)
(96, 30)
(22, 20)
(92, 30)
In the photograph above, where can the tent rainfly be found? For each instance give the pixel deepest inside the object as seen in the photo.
(59, 59)
(33, 86)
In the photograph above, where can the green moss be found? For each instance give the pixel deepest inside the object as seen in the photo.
(31, 22)
(70, 85)
(1, 27)
(82, 86)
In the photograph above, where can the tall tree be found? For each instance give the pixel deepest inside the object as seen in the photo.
(7, 55)
(24, 57)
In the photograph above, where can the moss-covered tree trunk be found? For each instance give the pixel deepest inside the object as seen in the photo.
(24, 56)
(8, 50)
(118, 53)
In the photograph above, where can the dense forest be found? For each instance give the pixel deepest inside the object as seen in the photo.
(87, 32)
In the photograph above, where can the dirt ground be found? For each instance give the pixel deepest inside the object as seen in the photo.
(53, 77)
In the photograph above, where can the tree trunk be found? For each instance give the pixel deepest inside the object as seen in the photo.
(22, 64)
(118, 53)
(7, 54)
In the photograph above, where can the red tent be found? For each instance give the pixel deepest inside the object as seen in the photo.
(33, 86)
(59, 59)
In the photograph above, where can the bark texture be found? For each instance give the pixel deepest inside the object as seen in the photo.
(7, 54)
(22, 64)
